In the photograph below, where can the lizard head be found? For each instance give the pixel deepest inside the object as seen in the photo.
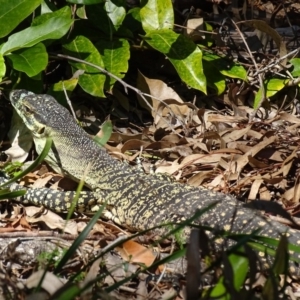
(40, 113)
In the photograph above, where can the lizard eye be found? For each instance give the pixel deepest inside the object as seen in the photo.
(28, 110)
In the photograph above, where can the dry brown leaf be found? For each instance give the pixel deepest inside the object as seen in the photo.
(273, 180)
(182, 150)
(226, 119)
(41, 182)
(203, 158)
(172, 151)
(171, 138)
(81, 225)
(288, 117)
(174, 109)
(276, 156)
(196, 144)
(255, 188)
(158, 89)
(243, 160)
(24, 223)
(136, 253)
(264, 194)
(97, 228)
(142, 290)
(21, 139)
(254, 134)
(255, 163)
(30, 178)
(192, 29)
(115, 267)
(264, 27)
(161, 145)
(171, 168)
(91, 275)
(293, 129)
(286, 165)
(218, 181)
(246, 180)
(134, 144)
(224, 164)
(118, 137)
(52, 220)
(240, 145)
(16, 221)
(50, 283)
(296, 197)
(10, 229)
(235, 134)
(226, 150)
(198, 178)
(289, 194)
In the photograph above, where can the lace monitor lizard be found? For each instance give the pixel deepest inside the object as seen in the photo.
(133, 200)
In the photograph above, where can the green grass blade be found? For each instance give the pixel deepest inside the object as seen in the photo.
(39, 159)
(107, 131)
(79, 240)
(7, 194)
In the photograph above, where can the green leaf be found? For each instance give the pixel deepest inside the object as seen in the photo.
(57, 90)
(209, 40)
(53, 28)
(239, 265)
(272, 86)
(22, 59)
(92, 84)
(106, 133)
(98, 16)
(280, 266)
(215, 79)
(64, 12)
(2, 67)
(85, 2)
(185, 56)
(115, 55)
(92, 81)
(296, 64)
(116, 12)
(226, 67)
(235, 71)
(133, 20)
(67, 292)
(12, 13)
(47, 7)
(156, 14)
(281, 263)
(80, 12)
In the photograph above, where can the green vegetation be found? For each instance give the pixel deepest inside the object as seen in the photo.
(94, 42)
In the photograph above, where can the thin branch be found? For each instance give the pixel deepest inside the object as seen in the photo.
(277, 61)
(125, 85)
(261, 83)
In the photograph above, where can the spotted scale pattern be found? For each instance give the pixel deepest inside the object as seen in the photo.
(134, 200)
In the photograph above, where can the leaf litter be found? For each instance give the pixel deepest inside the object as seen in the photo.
(254, 161)
(202, 147)
(219, 150)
